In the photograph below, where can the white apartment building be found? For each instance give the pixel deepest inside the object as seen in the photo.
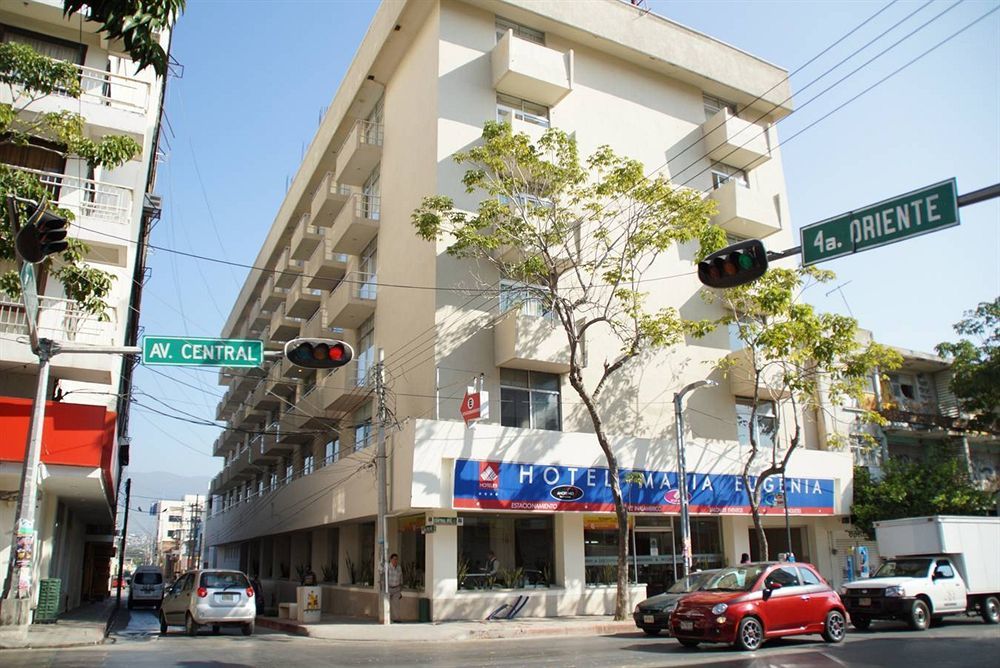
(341, 257)
(83, 449)
(179, 527)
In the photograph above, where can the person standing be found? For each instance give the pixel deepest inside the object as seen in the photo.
(745, 558)
(394, 579)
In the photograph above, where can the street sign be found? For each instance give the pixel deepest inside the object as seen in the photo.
(188, 351)
(475, 406)
(925, 210)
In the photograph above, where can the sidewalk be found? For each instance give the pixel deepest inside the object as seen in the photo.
(86, 625)
(360, 630)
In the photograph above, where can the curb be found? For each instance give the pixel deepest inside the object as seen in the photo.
(286, 627)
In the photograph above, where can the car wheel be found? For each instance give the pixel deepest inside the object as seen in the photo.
(190, 625)
(163, 624)
(920, 616)
(860, 622)
(835, 627)
(749, 634)
(248, 629)
(690, 644)
(216, 629)
(990, 610)
(651, 632)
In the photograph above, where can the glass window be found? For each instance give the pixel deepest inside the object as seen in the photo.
(808, 577)
(331, 452)
(529, 400)
(365, 350)
(49, 47)
(785, 576)
(530, 299)
(363, 433)
(308, 464)
(714, 105)
(766, 427)
(722, 174)
(520, 542)
(370, 202)
(224, 580)
(147, 578)
(367, 263)
(511, 109)
(521, 31)
(289, 472)
(943, 570)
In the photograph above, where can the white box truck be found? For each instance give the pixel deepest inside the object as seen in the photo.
(932, 567)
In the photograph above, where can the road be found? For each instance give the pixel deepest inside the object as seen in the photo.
(959, 642)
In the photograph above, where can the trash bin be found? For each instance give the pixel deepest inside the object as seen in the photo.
(423, 610)
(48, 600)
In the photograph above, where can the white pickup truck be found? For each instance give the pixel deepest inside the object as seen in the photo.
(932, 567)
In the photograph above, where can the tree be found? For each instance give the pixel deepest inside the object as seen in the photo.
(29, 77)
(577, 236)
(796, 360)
(135, 22)
(938, 486)
(975, 365)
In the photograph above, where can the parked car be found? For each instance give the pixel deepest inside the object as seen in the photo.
(653, 614)
(746, 605)
(146, 587)
(212, 597)
(936, 566)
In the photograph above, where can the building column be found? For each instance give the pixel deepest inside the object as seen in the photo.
(441, 577)
(569, 569)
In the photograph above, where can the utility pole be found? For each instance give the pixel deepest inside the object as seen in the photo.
(121, 555)
(383, 503)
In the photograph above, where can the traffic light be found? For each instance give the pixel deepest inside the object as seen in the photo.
(734, 265)
(43, 235)
(318, 353)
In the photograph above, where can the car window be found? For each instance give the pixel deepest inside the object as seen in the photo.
(185, 583)
(808, 577)
(147, 578)
(734, 578)
(786, 576)
(943, 570)
(225, 580)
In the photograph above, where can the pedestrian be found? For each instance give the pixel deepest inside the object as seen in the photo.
(744, 558)
(492, 565)
(394, 579)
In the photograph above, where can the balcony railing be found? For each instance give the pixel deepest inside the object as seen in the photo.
(360, 152)
(113, 90)
(357, 224)
(59, 319)
(86, 197)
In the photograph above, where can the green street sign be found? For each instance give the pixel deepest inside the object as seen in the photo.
(188, 351)
(902, 217)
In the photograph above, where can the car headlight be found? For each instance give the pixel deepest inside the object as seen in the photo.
(719, 608)
(894, 592)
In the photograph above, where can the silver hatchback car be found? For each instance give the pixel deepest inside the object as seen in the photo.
(213, 598)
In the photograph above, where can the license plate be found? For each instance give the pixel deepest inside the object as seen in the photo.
(228, 598)
(687, 626)
(864, 602)
(648, 619)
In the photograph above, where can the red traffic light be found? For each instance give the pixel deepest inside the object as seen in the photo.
(734, 265)
(318, 353)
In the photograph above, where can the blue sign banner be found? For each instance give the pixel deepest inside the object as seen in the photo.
(492, 485)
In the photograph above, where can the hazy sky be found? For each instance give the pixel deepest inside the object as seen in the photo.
(257, 75)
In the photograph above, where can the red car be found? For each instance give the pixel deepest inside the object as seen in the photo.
(747, 604)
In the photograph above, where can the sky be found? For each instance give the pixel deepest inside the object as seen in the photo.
(258, 74)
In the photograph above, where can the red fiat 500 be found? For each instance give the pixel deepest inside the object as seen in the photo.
(747, 604)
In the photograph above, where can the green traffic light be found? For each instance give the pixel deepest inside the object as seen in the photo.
(746, 262)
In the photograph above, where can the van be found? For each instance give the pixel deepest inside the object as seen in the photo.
(146, 587)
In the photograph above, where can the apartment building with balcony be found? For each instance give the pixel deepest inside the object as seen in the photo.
(83, 441)
(341, 260)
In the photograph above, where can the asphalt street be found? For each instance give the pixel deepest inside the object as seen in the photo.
(957, 642)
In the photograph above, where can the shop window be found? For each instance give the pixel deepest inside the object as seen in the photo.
(523, 546)
(765, 427)
(412, 551)
(529, 400)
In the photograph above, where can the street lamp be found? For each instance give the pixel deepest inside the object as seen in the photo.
(682, 470)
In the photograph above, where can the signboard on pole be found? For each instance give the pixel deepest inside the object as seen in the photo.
(29, 294)
(475, 406)
(188, 351)
(928, 209)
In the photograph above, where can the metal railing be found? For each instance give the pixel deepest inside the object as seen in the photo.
(360, 284)
(86, 197)
(117, 91)
(370, 133)
(368, 206)
(59, 319)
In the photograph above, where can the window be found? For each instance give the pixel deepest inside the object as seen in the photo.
(527, 298)
(50, 47)
(714, 105)
(529, 400)
(786, 576)
(363, 433)
(274, 479)
(766, 427)
(525, 542)
(331, 452)
(722, 174)
(175, 518)
(904, 386)
(511, 109)
(367, 263)
(523, 32)
(289, 472)
(808, 577)
(370, 203)
(365, 350)
(308, 464)
(943, 570)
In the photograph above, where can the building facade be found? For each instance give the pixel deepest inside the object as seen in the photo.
(178, 537)
(342, 260)
(84, 445)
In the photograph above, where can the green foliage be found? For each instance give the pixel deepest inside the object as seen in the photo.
(511, 578)
(21, 67)
(938, 486)
(975, 364)
(135, 22)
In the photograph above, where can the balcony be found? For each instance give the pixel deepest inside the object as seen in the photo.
(530, 342)
(352, 301)
(284, 327)
(325, 267)
(292, 427)
(87, 199)
(305, 238)
(734, 141)
(329, 199)
(531, 71)
(273, 294)
(302, 301)
(259, 316)
(357, 224)
(345, 389)
(359, 153)
(262, 397)
(288, 269)
(272, 445)
(739, 370)
(744, 211)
